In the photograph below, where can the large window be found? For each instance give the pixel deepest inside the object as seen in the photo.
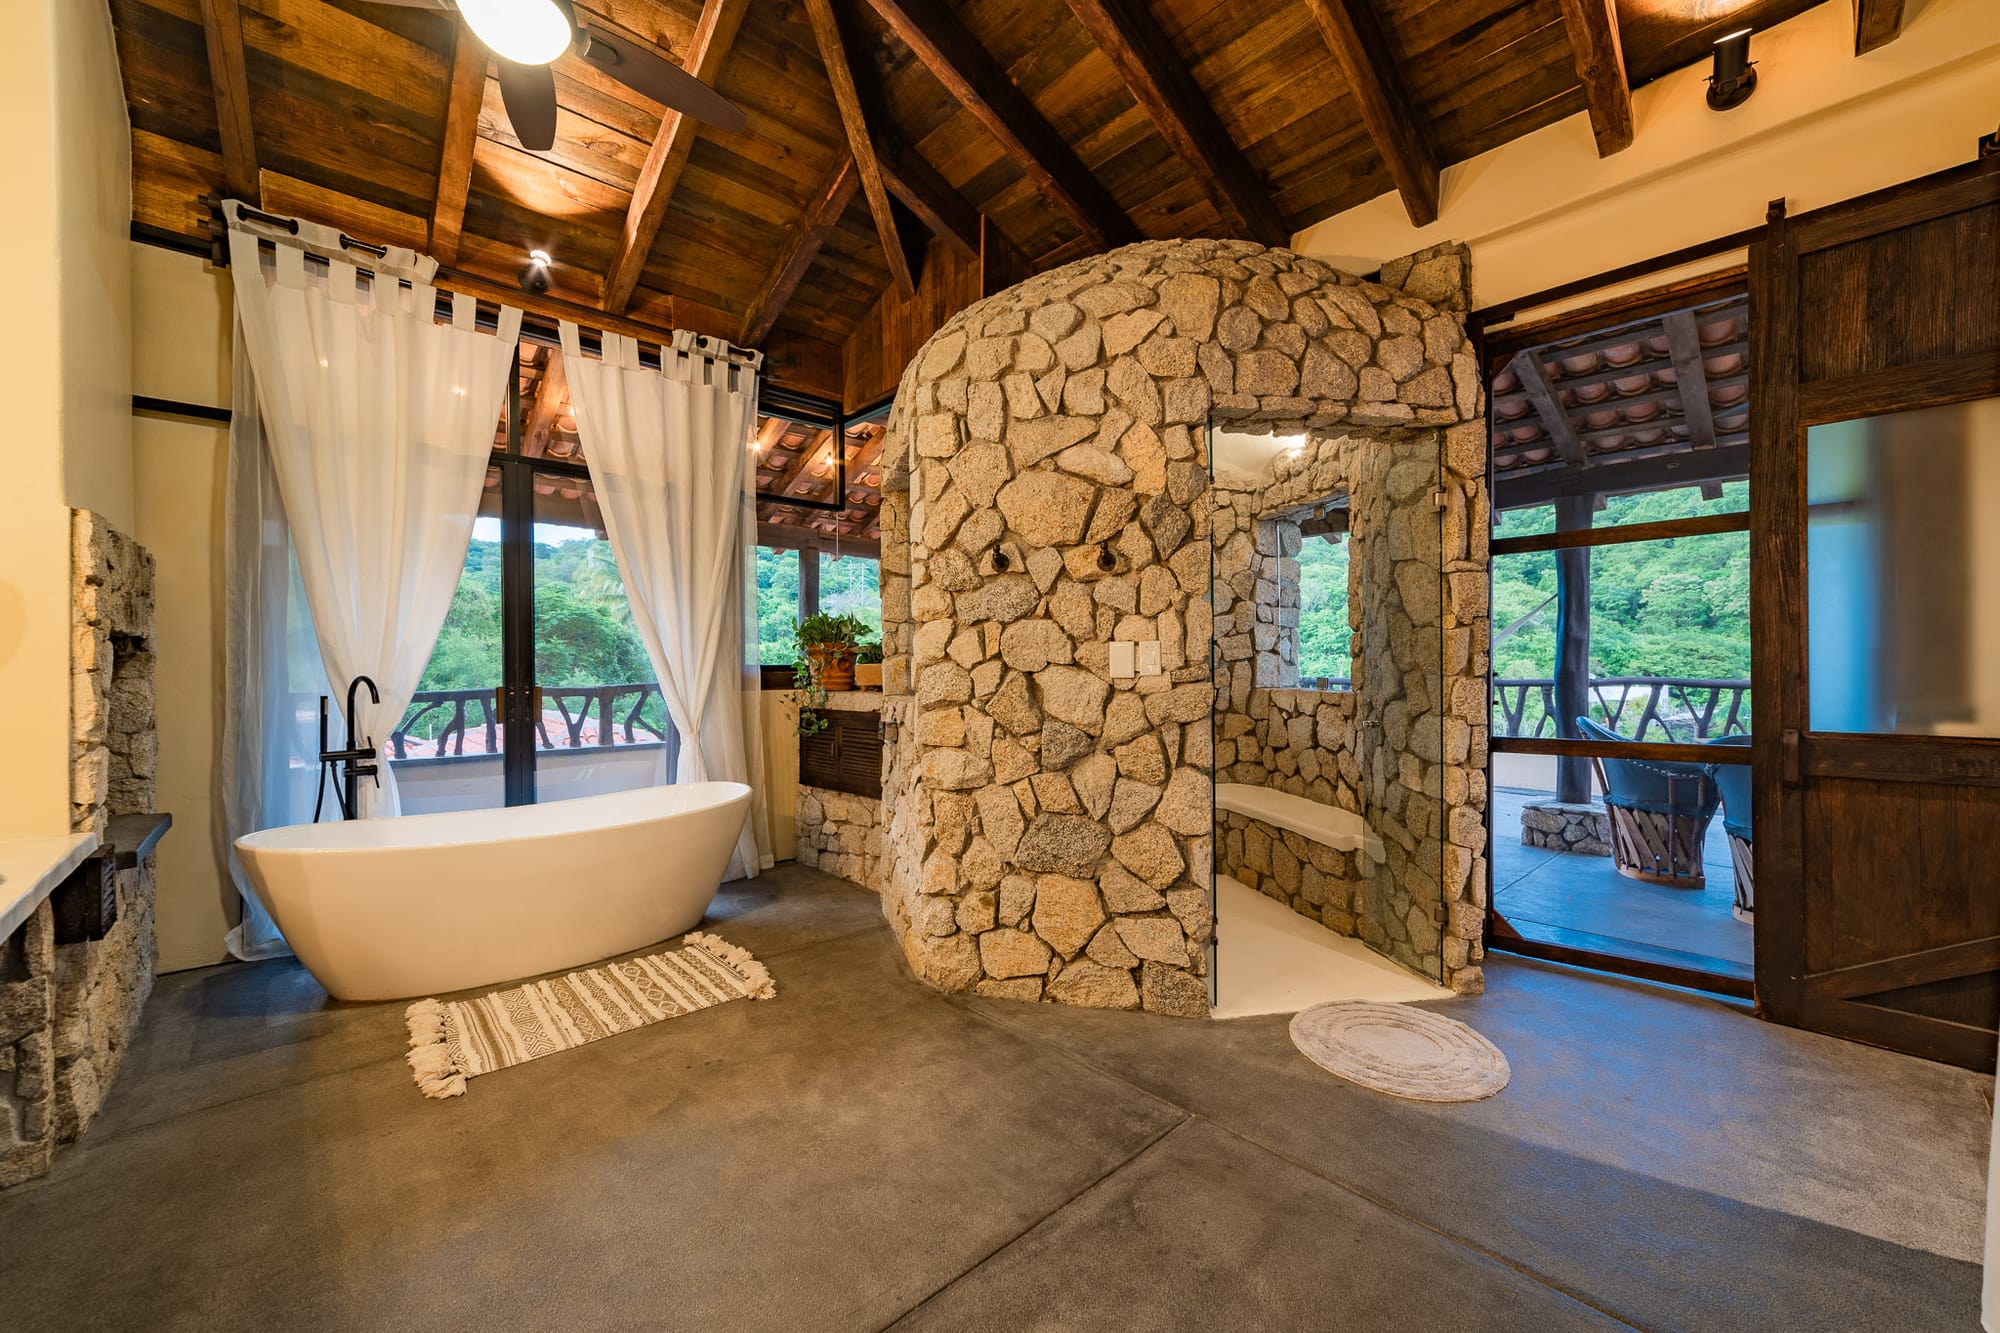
(539, 686)
(850, 585)
(792, 584)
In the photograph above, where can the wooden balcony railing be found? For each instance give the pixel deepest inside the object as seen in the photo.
(1679, 708)
(574, 708)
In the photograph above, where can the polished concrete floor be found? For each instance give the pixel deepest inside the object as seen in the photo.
(862, 1153)
(1586, 893)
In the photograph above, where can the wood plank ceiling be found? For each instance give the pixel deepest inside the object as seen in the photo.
(1071, 124)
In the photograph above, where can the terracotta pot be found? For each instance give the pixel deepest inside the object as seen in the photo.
(833, 666)
(868, 675)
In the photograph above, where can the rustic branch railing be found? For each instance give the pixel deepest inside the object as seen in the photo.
(574, 704)
(1681, 708)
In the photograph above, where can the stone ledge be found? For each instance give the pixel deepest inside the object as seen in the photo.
(1342, 830)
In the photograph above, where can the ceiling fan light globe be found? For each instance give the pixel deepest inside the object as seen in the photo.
(527, 32)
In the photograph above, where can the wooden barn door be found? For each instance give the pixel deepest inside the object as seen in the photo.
(1875, 461)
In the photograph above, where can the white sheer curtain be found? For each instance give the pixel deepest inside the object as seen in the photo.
(358, 452)
(271, 666)
(669, 458)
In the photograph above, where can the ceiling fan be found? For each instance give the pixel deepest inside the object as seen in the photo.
(530, 35)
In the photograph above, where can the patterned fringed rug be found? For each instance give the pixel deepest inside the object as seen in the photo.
(452, 1041)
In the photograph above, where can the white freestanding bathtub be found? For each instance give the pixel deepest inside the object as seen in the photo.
(384, 909)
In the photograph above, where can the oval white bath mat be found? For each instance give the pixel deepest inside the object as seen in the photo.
(1399, 1050)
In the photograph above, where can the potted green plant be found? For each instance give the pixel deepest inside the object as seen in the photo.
(868, 667)
(828, 644)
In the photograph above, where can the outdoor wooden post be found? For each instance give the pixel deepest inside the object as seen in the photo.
(1572, 688)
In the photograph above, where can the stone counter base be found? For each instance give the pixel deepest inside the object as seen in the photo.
(1313, 879)
(66, 1014)
(841, 835)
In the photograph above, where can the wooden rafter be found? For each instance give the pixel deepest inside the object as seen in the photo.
(1354, 36)
(829, 199)
(551, 397)
(1534, 378)
(668, 156)
(925, 192)
(840, 74)
(1600, 65)
(1691, 378)
(1163, 87)
(956, 59)
(1876, 23)
(222, 28)
(461, 132)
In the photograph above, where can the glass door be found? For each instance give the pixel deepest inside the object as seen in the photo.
(540, 687)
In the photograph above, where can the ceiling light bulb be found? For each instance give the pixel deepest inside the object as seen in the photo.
(527, 32)
(539, 258)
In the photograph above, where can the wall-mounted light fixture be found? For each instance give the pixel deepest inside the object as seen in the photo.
(1734, 76)
(535, 277)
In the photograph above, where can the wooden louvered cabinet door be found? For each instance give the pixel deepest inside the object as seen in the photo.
(845, 756)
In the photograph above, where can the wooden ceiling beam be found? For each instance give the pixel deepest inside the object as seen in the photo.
(847, 98)
(538, 432)
(955, 58)
(1876, 24)
(1354, 35)
(461, 133)
(1691, 377)
(222, 29)
(714, 34)
(925, 192)
(1600, 65)
(829, 200)
(1166, 91)
(1534, 378)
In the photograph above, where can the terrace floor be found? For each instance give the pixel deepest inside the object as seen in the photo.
(1587, 896)
(862, 1152)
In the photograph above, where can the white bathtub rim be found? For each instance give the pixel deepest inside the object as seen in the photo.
(272, 839)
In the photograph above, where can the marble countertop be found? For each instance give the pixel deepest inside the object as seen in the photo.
(30, 869)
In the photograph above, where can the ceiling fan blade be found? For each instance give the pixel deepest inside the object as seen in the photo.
(662, 80)
(529, 94)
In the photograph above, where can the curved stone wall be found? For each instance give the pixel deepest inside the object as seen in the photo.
(1050, 828)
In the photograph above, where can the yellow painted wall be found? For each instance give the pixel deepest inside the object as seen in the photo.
(1823, 125)
(68, 167)
(180, 351)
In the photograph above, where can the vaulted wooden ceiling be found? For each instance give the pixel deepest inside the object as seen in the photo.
(1071, 124)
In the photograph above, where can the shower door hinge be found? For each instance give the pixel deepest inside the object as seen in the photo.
(1438, 498)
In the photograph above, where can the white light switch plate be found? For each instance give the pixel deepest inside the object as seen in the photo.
(1122, 665)
(1149, 657)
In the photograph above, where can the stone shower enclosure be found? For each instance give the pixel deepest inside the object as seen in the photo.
(1051, 831)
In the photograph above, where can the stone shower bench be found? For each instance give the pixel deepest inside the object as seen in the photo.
(1342, 830)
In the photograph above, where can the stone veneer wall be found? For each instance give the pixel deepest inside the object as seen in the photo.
(1051, 828)
(67, 1011)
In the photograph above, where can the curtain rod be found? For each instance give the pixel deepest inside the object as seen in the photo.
(680, 341)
